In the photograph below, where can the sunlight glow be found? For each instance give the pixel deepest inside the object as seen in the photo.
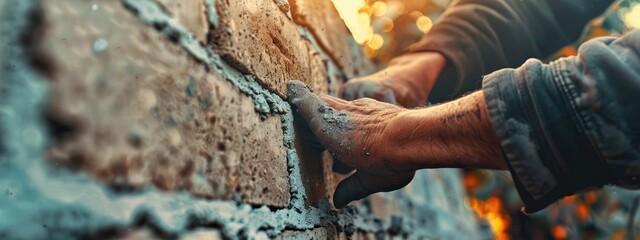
(631, 16)
(356, 20)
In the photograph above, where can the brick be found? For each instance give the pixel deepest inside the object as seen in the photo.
(200, 234)
(317, 233)
(133, 109)
(133, 234)
(191, 14)
(384, 206)
(258, 38)
(283, 5)
(322, 20)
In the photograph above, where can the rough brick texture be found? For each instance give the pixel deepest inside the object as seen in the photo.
(258, 38)
(141, 111)
(322, 20)
(145, 119)
(190, 13)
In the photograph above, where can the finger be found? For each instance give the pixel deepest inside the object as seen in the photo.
(368, 89)
(386, 95)
(348, 91)
(318, 115)
(306, 103)
(335, 99)
(352, 188)
(334, 102)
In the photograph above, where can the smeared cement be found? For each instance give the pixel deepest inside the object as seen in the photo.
(152, 14)
(43, 201)
(212, 13)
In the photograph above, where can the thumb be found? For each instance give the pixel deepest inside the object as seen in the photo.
(362, 184)
(352, 188)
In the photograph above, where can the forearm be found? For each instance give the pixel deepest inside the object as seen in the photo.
(454, 134)
(479, 37)
(569, 125)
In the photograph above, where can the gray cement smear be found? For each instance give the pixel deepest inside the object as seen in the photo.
(212, 13)
(41, 201)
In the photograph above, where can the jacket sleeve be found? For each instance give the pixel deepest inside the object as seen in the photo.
(478, 37)
(573, 124)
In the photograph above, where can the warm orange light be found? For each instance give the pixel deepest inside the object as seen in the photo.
(471, 182)
(591, 198)
(370, 52)
(559, 232)
(357, 21)
(424, 23)
(416, 14)
(631, 16)
(568, 51)
(387, 23)
(568, 200)
(492, 211)
(379, 8)
(582, 212)
(375, 42)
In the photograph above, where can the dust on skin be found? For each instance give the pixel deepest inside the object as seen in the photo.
(337, 124)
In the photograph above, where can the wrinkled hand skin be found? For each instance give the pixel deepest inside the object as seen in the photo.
(407, 81)
(356, 133)
(386, 144)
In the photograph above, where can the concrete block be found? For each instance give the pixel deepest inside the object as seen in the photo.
(258, 38)
(201, 234)
(384, 206)
(191, 14)
(133, 109)
(134, 234)
(322, 20)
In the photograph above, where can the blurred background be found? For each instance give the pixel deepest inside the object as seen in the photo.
(385, 28)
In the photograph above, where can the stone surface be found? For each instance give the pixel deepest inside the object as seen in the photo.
(317, 233)
(133, 109)
(258, 38)
(202, 234)
(323, 21)
(191, 14)
(146, 142)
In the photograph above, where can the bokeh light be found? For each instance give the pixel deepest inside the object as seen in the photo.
(358, 23)
(424, 23)
(631, 16)
(379, 8)
(384, 28)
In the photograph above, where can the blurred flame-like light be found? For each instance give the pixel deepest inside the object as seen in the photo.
(559, 232)
(494, 213)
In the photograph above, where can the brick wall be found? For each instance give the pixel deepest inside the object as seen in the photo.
(166, 119)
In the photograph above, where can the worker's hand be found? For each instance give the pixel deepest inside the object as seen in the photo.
(356, 133)
(386, 144)
(407, 81)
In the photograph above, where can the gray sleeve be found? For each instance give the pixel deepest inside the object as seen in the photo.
(572, 124)
(478, 37)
